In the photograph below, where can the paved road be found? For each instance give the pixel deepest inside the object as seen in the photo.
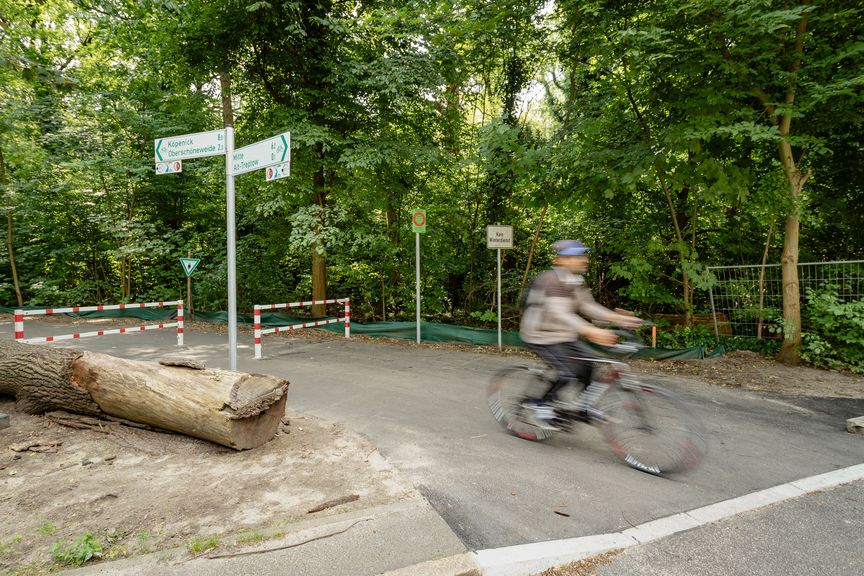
(425, 409)
(818, 534)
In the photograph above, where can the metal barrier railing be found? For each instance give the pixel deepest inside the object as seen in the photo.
(21, 314)
(259, 332)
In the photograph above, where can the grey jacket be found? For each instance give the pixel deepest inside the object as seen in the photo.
(556, 307)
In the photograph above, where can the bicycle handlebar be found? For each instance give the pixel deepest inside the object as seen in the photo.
(629, 341)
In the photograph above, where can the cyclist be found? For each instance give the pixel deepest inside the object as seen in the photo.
(554, 325)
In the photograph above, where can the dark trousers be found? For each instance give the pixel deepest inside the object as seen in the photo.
(561, 358)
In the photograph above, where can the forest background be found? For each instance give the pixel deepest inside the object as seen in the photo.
(668, 135)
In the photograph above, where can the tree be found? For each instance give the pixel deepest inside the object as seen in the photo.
(238, 410)
(796, 62)
(710, 85)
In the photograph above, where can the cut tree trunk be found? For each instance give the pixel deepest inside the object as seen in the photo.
(234, 409)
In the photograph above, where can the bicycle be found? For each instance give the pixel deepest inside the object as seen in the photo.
(647, 426)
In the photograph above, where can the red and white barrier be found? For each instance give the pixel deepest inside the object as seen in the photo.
(21, 314)
(259, 307)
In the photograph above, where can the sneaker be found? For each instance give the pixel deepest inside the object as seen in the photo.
(540, 415)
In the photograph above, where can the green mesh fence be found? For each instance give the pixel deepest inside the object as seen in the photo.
(429, 331)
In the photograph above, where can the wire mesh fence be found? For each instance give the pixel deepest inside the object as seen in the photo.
(748, 300)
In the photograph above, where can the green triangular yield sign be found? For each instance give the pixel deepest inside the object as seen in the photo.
(189, 264)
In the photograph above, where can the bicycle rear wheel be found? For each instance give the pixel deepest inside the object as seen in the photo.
(506, 393)
(651, 430)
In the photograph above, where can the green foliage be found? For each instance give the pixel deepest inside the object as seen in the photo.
(250, 537)
(201, 544)
(764, 346)
(81, 550)
(833, 331)
(686, 337)
(46, 529)
(614, 121)
(6, 551)
(143, 538)
(485, 316)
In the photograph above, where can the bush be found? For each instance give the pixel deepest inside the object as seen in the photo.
(833, 331)
(676, 337)
(78, 552)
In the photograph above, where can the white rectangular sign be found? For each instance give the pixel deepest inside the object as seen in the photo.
(275, 150)
(499, 236)
(186, 146)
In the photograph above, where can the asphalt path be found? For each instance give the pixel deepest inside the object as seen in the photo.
(818, 534)
(425, 409)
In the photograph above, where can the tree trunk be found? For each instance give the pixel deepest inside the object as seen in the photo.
(319, 260)
(227, 106)
(531, 250)
(790, 349)
(10, 245)
(234, 409)
(762, 282)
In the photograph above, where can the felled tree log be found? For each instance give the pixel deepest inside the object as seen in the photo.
(230, 408)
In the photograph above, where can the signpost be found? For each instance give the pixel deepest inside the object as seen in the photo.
(189, 265)
(187, 146)
(498, 238)
(275, 150)
(418, 224)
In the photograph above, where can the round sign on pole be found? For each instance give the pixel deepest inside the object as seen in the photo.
(418, 221)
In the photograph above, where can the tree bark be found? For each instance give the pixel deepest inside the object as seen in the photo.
(762, 282)
(234, 409)
(319, 260)
(10, 245)
(227, 106)
(790, 349)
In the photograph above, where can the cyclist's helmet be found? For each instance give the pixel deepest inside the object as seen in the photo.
(570, 248)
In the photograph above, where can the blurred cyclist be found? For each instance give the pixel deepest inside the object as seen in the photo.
(554, 324)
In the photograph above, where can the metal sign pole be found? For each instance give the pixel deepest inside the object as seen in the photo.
(232, 264)
(189, 289)
(417, 282)
(499, 298)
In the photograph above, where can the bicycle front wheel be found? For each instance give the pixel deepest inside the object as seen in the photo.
(651, 430)
(508, 391)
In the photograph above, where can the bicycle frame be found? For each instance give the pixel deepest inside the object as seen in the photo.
(643, 423)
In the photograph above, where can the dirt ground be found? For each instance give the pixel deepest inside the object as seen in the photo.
(752, 371)
(141, 490)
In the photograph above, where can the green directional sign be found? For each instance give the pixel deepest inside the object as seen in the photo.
(275, 150)
(186, 146)
(189, 264)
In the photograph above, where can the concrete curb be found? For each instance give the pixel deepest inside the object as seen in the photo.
(459, 565)
(528, 559)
